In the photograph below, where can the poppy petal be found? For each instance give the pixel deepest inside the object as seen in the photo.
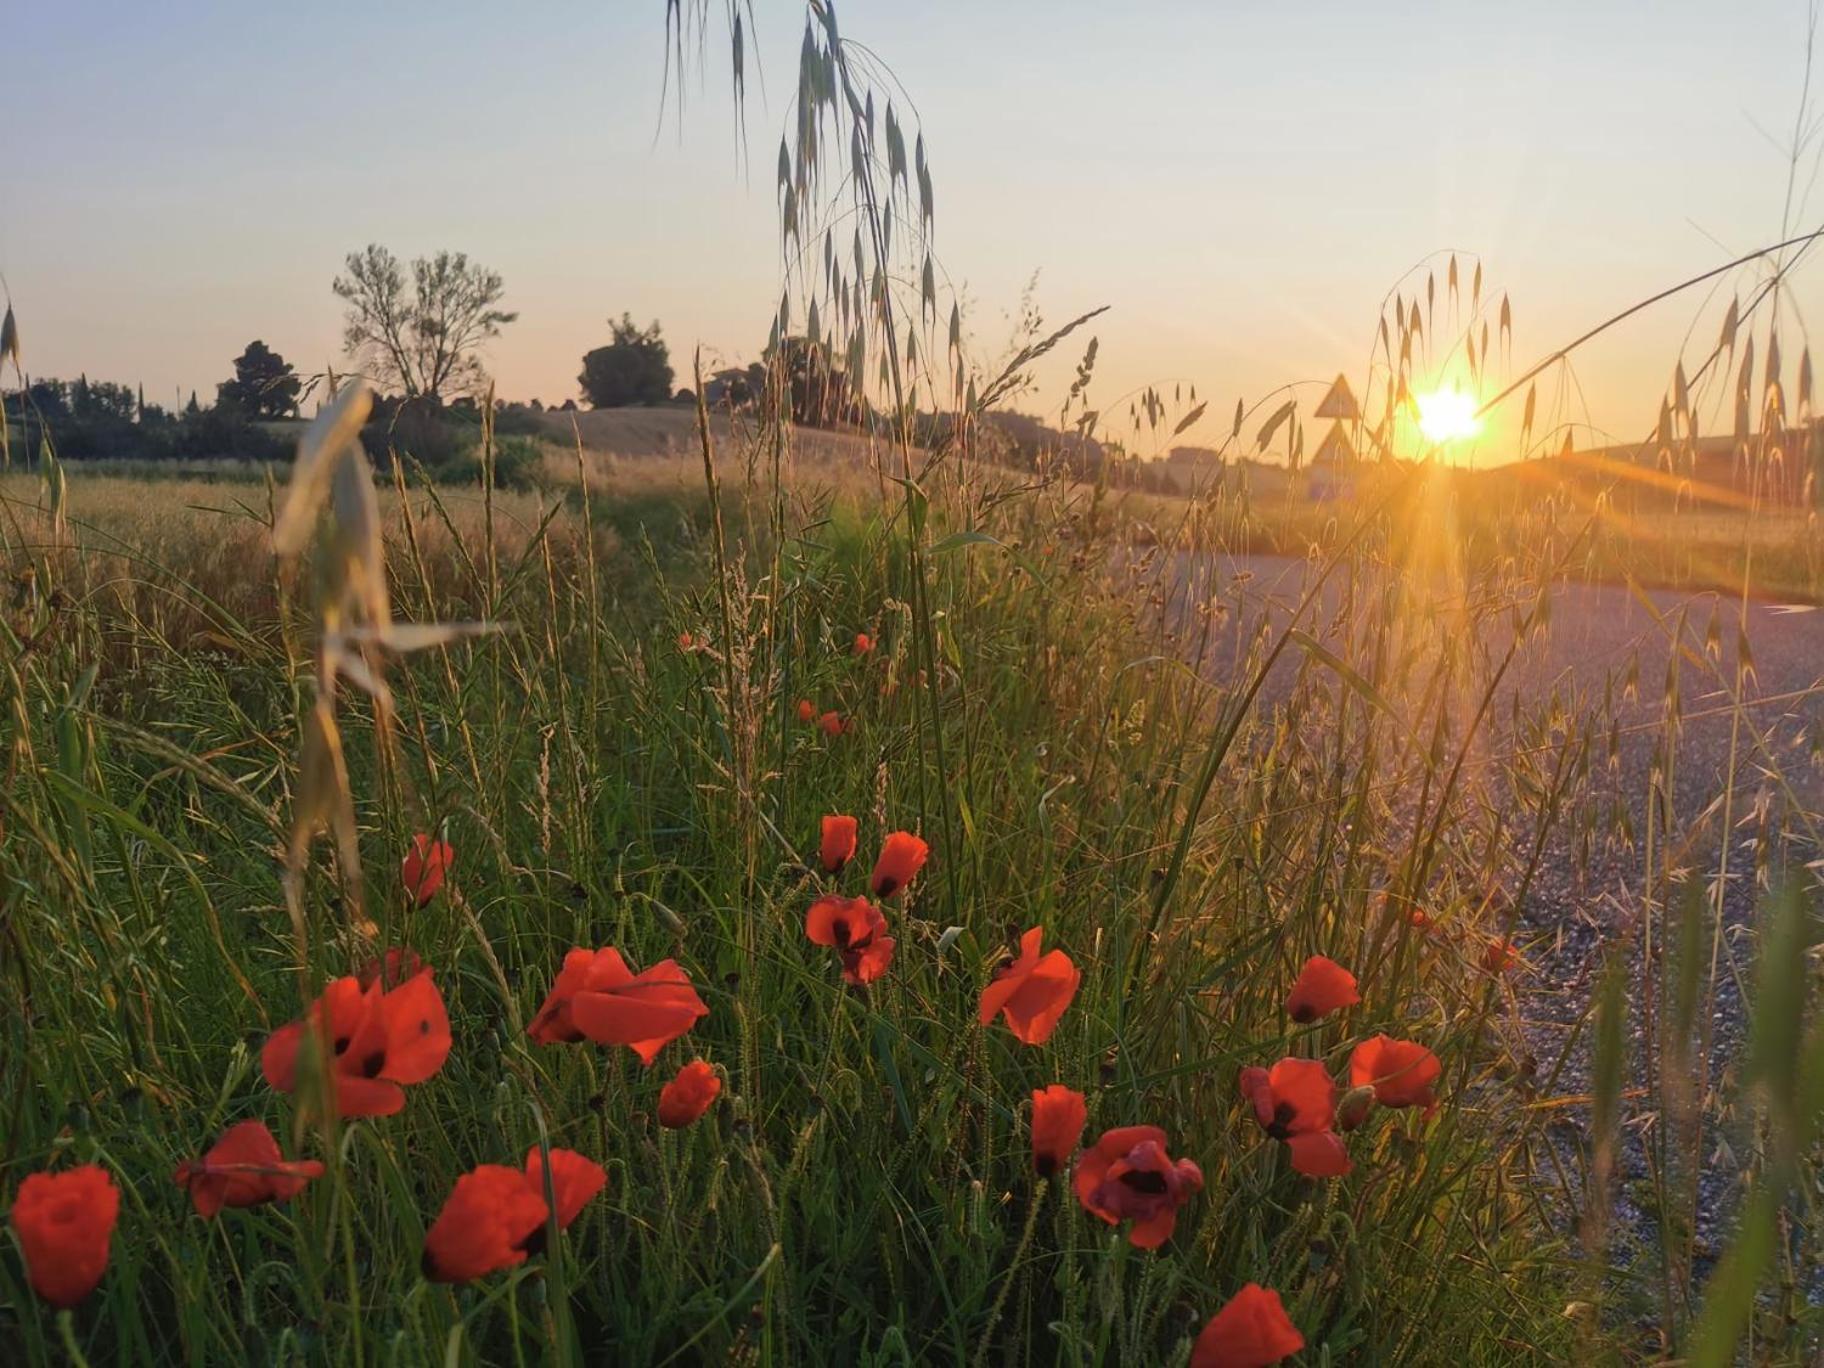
(575, 1179)
(279, 1057)
(1251, 1331)
(484, 1226)
(1319, 1154)
(417, 1030)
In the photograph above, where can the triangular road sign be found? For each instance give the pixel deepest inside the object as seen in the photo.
(1336, 448)
(1339, 402)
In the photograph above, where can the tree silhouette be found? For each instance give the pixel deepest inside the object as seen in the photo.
(264, 385)
(420, 338)
(819, 391)
(635, 368)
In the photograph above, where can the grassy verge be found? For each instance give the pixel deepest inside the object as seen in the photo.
(863, 1190)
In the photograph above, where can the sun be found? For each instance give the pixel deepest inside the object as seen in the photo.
(1447, 416)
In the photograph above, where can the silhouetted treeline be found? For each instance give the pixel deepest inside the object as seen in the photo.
(87, 420)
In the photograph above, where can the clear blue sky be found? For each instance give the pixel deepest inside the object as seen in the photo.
(1242, 182)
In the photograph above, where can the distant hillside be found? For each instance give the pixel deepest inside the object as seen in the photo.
(1010, 438)
(637, 433)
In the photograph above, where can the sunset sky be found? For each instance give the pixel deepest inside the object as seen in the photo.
(1242, 183)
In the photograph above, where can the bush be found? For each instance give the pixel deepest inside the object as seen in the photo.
(223, 432)
(417, 429)
(516, 462)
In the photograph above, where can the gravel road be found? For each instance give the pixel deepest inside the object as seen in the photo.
(1598, 637)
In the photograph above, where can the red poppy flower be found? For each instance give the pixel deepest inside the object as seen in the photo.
(1128, 1176)
(1500, 955)
(1058, 1116)
(1295, 1101)
(685, 641)
(831, 724)
(1401, 1072)
(373, 1041)
(855, 928)
(1323, 987)
(597, 997)
(495, 1216)
(901, 857)
(244, 1169)
(575, 1179)
(391, 969)
(842, 923)
(424, 866)
(1252, 1331)
(1033, 991)
(838, 846)
(806, 712)
(863, 643)
(64, 1222)
(1417, 919)
(1294, 1097)
(862, 966)
(487, 1224)
(684, 1100)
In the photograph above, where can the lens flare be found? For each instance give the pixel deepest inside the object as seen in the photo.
(1447, 416)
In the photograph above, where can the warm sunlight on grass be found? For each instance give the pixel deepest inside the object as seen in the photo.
(1447, 416)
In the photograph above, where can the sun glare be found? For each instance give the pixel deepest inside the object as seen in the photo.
(1447, 416)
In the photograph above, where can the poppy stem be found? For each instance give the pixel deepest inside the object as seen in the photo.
(66, 1329)
(1013, 1268)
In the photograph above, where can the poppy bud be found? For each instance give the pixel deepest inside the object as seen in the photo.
(806, 711)
(1353, 1110)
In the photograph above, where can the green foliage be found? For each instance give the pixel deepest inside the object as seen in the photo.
(861, 1191)
(516, 463)
(265, 385)
(87, 420)
(634, 368)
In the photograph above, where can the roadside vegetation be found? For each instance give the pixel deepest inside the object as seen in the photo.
(810, 898)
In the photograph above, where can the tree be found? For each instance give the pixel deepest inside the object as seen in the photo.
(819, 391)
(264, 386)
(420, 339)
(635, 368)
